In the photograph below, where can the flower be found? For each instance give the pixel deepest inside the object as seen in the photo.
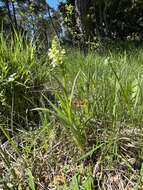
(56, 53)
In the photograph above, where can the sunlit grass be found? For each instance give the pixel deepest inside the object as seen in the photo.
(89, 110)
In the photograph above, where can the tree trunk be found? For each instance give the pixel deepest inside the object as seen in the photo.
(14, 15)
(81, 7)
(83, 23)
(8, 10)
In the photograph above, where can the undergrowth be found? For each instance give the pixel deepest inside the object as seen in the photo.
(77, 125)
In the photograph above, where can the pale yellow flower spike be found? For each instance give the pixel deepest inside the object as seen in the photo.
(56, 53)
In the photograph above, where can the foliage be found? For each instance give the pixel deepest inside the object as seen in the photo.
(105, 19)
(19, 74)
(80, 21)
(33, 18)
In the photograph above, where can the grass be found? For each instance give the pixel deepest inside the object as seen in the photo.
(75, 126)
